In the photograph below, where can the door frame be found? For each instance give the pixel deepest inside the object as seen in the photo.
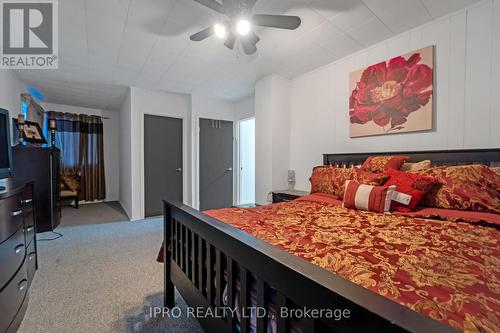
(238, 160)
(196, 158)
(185, 174)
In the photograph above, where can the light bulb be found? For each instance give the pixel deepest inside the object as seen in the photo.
(243, 27)
(220, 30)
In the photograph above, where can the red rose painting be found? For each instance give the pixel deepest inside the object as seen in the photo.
(393, 96)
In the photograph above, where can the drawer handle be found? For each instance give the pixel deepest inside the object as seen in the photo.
(26, 201)
(29, 229)
(17, 212)
(23, 284)
(19, 248)
(31, 256)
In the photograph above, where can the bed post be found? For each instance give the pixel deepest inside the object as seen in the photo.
(168, 297)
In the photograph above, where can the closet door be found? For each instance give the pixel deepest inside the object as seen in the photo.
(162, 162)
(216, 164)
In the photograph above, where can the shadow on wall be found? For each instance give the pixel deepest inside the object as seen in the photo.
(139, 320)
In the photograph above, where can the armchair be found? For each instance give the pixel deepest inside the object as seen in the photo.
(70, 187)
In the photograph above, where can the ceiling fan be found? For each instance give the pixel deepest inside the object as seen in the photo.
(239, 23)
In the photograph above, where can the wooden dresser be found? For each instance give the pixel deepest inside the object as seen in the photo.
(18, 256)
(41, 165)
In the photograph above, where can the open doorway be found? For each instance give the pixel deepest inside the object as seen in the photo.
(246, 161)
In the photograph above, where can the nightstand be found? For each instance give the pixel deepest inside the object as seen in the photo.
(285, 195)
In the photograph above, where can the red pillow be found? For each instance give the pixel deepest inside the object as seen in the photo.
(368, 197)
(382, 163)
(331, 180)
(408, 184)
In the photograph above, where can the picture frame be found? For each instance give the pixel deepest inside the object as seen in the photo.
(393, 96)
(32, 132)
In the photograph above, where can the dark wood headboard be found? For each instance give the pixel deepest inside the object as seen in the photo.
(489, 157)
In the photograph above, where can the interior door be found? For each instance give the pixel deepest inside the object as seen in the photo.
(216, 164)
(162, 162)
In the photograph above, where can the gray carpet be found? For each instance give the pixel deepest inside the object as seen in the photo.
(101, 276)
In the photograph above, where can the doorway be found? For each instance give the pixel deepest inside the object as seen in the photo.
(216, 164)
(246, 161)
(162, 162)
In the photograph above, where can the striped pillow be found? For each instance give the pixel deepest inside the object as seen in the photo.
(368, 197)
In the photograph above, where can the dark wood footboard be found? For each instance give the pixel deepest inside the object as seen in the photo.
(204, 255)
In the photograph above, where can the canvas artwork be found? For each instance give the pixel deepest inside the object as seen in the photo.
(393, 96)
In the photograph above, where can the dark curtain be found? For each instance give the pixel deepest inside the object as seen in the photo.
(80, 138)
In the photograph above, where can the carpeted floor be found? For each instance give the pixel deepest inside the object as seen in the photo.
(101, 276)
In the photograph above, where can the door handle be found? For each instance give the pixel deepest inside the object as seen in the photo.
(229, 169)
(178, 170)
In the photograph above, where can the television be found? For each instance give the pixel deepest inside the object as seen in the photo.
(5, 148)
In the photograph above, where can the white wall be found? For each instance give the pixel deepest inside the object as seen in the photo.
(189, 108)
(467, 74)
(127, 195)
(158, 103)
(111, 136)
(272, 135)
(245, 108)
(11, 88)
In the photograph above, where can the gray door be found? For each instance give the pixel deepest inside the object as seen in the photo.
(162, 162)
(216, 164)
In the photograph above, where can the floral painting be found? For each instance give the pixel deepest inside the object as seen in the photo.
(393, 96)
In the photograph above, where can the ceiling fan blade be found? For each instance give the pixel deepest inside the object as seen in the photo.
(199, 36)
(212, 4)
(231, 39)
(248, 46)
(277, 21)
(253, 38)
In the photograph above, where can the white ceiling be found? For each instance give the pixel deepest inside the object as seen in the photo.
(105, 46)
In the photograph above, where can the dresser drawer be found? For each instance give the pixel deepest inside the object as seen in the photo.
(29, 227)
(12, 297)
(12, 253)
(11, 215)
(31, 262)
(14, 325)
(27, 198)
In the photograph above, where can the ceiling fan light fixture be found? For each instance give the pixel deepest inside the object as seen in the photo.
(243, 27)
(220, 30)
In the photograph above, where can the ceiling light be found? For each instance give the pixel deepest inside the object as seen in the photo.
(243, 27)
(220, 30)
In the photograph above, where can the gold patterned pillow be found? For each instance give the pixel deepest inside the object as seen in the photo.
(465, 187)
(416, 166)
(331, 180)
(381, 163)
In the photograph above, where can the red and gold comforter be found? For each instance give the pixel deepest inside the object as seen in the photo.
(447, 270)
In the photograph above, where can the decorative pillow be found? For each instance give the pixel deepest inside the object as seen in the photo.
(368, 197)
(496, 170)
(417, 166)
(331, 180)
(70, 183)
(382, 163)
(466, 187)
(410, 189)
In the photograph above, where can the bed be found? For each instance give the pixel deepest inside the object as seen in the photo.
(312, 253)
